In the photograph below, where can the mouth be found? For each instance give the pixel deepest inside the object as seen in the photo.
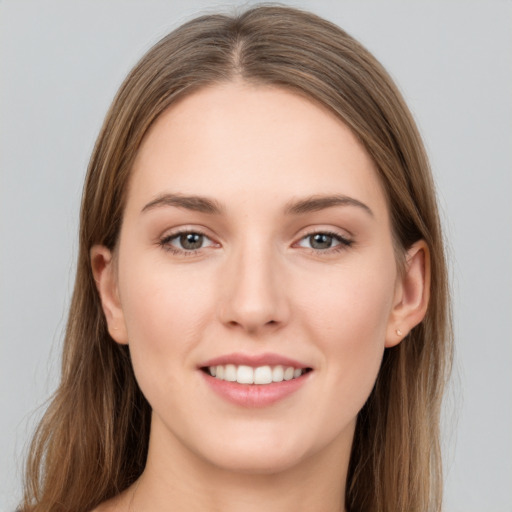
(255, 380)
(259, 375)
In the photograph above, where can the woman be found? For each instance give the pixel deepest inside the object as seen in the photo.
(260, 317)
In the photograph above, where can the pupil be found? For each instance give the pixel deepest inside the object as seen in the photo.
(320, 241)
(191, 241)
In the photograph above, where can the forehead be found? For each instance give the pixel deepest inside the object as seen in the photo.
(238, 140)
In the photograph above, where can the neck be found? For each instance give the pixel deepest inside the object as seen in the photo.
(177, 480)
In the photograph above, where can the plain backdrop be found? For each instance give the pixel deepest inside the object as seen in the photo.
(60, 65)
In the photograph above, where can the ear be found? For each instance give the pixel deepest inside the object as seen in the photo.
(412, 293)
(104, 272)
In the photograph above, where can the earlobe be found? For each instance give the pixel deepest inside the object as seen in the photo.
(103, 269)
(411, 295)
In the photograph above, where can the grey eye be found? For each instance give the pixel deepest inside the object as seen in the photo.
(186, 242)
(190, 241)
(321, 241)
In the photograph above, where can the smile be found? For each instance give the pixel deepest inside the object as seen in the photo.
(255, 380)
(243, 374)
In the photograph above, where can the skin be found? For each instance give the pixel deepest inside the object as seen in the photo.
(258, 284)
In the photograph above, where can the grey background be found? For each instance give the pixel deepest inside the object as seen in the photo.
(60, 65)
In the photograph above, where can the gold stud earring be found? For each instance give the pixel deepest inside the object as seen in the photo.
(399, 332)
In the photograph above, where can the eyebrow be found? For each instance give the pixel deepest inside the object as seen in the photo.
(193, 203)
(202, 204)
(317, 203)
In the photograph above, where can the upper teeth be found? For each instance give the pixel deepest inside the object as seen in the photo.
(259, 375)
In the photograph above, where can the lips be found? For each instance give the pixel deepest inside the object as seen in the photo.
(254, 360)
(254, 380)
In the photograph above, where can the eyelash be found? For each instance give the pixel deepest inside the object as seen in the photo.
(344, 242)
(165, 242)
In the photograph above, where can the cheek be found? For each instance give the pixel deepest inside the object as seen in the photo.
(347, 315)
(351, 303)
(165, 313)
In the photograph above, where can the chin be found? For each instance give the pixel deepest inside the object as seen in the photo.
(257, 461)
(258, 452)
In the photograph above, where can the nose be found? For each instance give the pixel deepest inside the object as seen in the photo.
(253, 290)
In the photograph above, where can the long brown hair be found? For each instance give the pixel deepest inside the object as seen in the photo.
(93, 440)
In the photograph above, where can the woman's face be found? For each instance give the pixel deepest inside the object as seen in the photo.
(256, 238)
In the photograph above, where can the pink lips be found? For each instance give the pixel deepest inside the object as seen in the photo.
(254, 395)
(254, 360)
